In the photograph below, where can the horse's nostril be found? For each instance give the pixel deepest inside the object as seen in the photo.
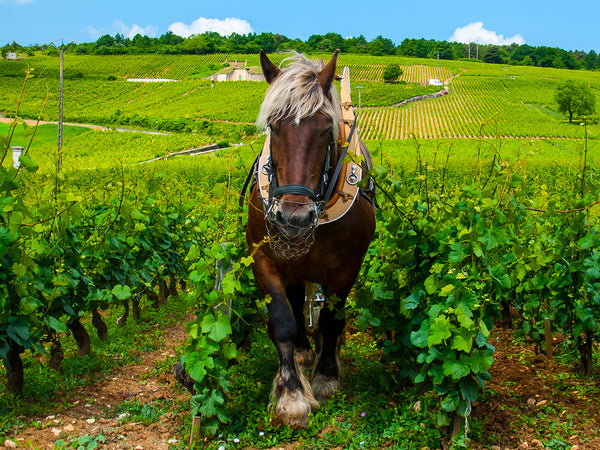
(279, 218)
(310, 217)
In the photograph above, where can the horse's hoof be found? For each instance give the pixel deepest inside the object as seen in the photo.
(293, 408)
(297, 423)
(305, 359)
(323, 387)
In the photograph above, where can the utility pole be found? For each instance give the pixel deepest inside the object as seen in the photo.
(60, 106)
(438, 66)
(60, 97)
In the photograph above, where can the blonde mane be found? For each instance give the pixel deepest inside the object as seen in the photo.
(296, 93)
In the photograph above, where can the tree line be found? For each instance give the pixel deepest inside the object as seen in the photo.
(212, 42)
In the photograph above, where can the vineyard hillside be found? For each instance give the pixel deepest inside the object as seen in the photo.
(483, 100)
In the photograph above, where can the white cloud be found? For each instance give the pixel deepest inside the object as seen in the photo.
(201, 25)
(20, 2)
(131, 31)
(121, 28)
(94, 32)
(475, 33)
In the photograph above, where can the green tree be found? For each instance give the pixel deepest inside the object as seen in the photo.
(381, 46)
(169, 38)
(267, 42)
(357, 44)
(590, 60)
(524, 55)
(575, 99)
(493, 55)
(392, 73)
(105, 41)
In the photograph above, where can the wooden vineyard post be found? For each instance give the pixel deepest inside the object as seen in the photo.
(195, 433)
(548, 334)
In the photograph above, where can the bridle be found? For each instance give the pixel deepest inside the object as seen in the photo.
(320, 196)
(276, 191)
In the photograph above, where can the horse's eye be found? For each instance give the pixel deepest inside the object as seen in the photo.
(274, 128)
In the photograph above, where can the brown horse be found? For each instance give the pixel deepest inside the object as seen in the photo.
(307, 225)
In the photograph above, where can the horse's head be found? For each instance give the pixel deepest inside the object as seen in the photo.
(301, 111)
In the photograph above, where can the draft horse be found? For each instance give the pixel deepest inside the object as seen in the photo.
(308, 223)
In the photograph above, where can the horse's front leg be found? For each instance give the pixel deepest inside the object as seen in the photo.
(291, 396)
(305, 355)
(327, 374)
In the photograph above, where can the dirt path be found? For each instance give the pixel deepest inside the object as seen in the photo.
(527, 403)
(92, 416)
(83, 125)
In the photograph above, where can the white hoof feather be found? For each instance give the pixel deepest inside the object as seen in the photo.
(323, 387)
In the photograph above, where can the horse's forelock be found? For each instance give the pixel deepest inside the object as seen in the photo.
(296, 93)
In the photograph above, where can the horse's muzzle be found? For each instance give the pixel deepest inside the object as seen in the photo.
(294, 218)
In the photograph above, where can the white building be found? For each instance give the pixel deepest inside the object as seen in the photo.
(236, 74)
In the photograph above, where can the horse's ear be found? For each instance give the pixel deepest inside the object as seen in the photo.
(328, 73)
(270, 70)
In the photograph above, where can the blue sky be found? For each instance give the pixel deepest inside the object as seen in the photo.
(571, 26)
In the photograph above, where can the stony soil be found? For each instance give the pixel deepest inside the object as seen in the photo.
(532, 400)
(90, 414)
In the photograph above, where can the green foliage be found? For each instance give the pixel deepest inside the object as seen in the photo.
(145, 413)
(454, 253)
(493, 55)
(247, 46)
(66, 252)
(224, 299)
